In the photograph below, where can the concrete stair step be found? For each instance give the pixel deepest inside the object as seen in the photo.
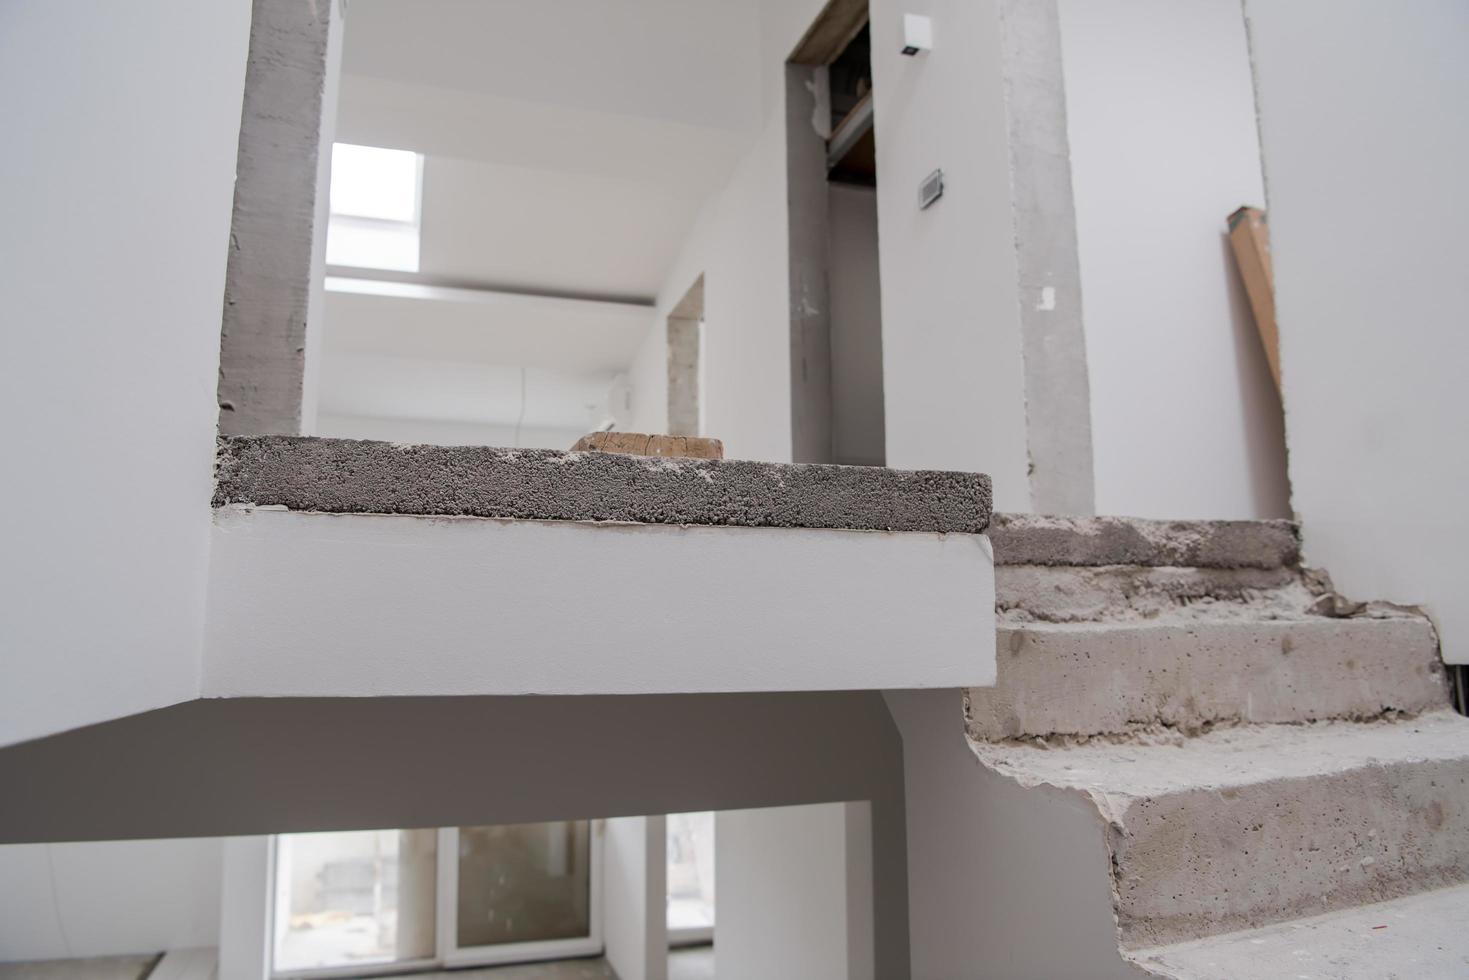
(1419, 937)
(1242, 827)
(1078, 680)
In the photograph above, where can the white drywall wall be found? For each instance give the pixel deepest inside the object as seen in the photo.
(953, 379)
(121, 123)
(1160, 115)
(783, 892)
(856, 326)
(1003, 880)
(308, 604)
(1366, 144)
(634, 891)
(438, 432)
(59, 901)
(403, 360)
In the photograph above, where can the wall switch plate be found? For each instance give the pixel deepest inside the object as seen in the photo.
(931, 189)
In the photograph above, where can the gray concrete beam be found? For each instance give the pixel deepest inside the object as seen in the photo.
(1058, 424)
(263, 345)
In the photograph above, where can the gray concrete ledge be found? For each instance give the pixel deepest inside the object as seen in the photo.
(1032, 539)
(348, 476)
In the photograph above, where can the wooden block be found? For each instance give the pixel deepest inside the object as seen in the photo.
(641, 444)
(1249, 236)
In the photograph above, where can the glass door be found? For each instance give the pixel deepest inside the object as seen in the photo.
(519, 892)
(375, 902)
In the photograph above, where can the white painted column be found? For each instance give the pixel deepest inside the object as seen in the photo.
(244, 909)
(790, 903)
(634, 889)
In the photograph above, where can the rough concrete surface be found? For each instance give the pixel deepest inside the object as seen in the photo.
(1058, 422)
(1081, 680)
(1247, 826)
(349, 476)
(262, 357)
(1131, 593)
(1029, 539)
(1422, 937)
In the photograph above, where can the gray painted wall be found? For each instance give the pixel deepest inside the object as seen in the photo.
(858, 435)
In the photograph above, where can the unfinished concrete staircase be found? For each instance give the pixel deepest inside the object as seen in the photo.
(1283, 784)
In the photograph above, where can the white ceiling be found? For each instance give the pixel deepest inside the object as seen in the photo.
(570, 143)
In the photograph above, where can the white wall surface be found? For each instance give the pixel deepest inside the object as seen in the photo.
(857, 432)
(783, 893)
(352, 605)
(1003, 880)
(635, 890)
(438, 432)
(953, 379)
(121, 123)
(1366, 144)
(404, 357)
(1160, 110)
(59, 901)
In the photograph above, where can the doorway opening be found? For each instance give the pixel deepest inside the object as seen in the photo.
(837, 413)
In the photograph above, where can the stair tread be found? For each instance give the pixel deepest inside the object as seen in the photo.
(1222, 615)
(1236, 756)
(1420, 936)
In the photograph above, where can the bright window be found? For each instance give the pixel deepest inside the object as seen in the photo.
(376, 197)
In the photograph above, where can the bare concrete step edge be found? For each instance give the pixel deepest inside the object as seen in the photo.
(1081, 681)
(351, 476)
(1422, 935)
(1033, 539)
(1206, 861)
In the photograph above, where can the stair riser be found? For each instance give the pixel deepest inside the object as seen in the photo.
(1062, 594)
(1205, 862)
(1118, 678)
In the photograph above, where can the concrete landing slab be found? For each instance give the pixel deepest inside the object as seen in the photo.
(1421, 937)
(348, 476)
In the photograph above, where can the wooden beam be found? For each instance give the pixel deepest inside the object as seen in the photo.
(831, 32)
(1249, 235)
